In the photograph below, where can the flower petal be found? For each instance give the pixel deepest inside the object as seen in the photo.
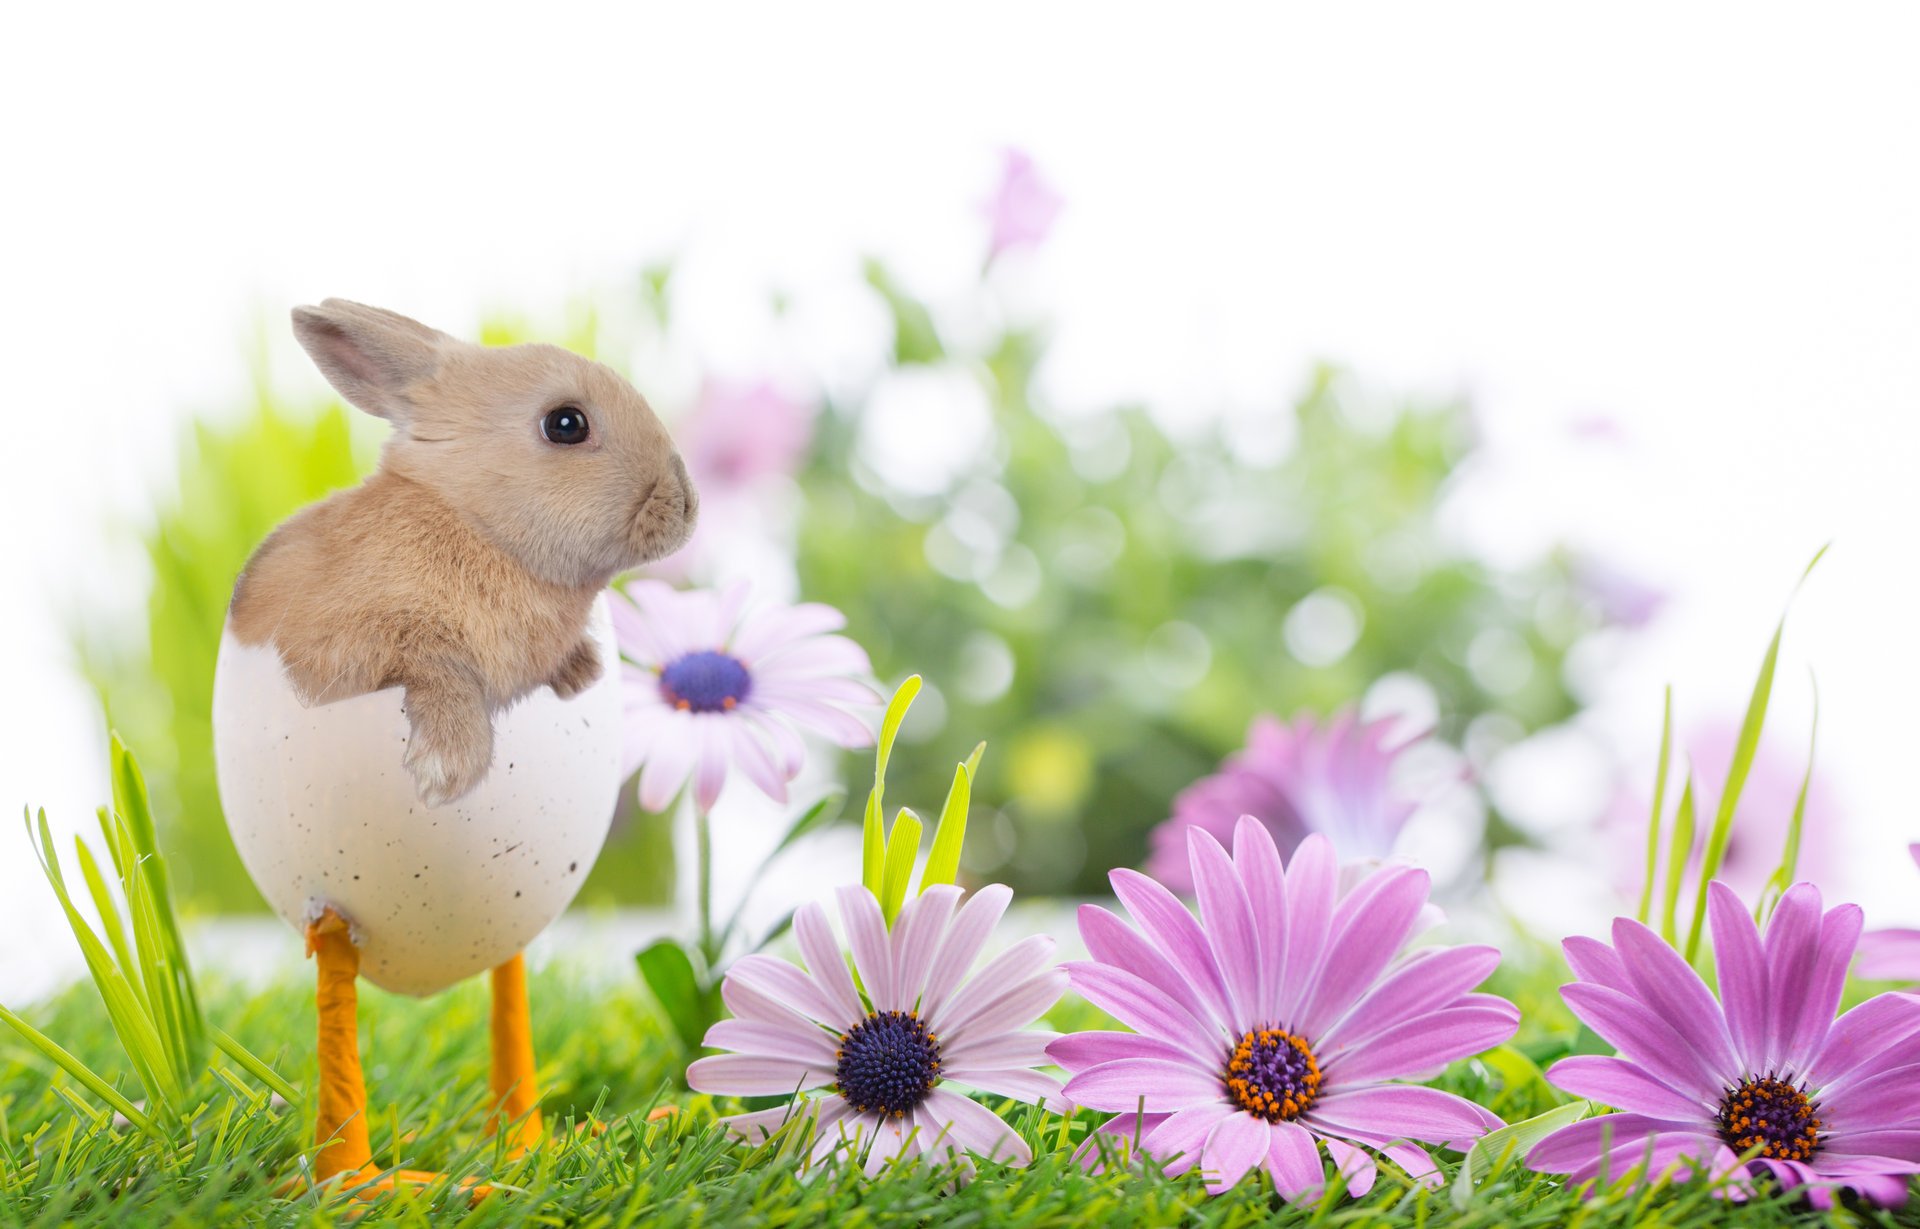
(1257, 859)
(1369, 928)
(668, 762)
(1178, 1142)
(1399, 1111)
(784, 983)
(808, 1044)
(872, 946)
(947, 1119)
(1016, 1048)
(1424, 1043)
(961, 947)
(1580, 1143)
(713, 735)
(918, 931)
(1312, 882)
(1422, 982)
(1619, 1084)
(1793, 950)
(1149, 1084)
(1886, 1101)
(1001, 977)
(750, 1075)
(1078, 1051)
(1741, 965)
(1236, 1144)
(1112, 942)
(1142, 1008)
(1670, 988)
(1162, 918)
(1227, 917)
(764, 632)
(1889, 955)
(1020, 1083)
(1646, 1038)
(1592, 960)
(1357, 1169)
(1860, 1039)
(1839, 932)
(1014, 1007)
(826, 964)
(1294, 1162)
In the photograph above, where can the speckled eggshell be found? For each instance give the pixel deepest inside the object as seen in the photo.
(324, 814)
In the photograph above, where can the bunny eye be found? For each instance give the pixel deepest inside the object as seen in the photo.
(565, 425)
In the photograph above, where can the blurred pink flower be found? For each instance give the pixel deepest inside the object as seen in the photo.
(1891, 955)
(739, 433)
(1622, 598)
(1759, 833)
(1024, 206)
(710, 686)
(1297, 780)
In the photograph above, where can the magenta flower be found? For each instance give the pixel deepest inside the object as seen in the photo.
(1891, 955)
(741, 433)
(888, 1048)
(1764, 1075)
(1279, 1021)
(1024, 206)
(710, 686)
(1297, 779)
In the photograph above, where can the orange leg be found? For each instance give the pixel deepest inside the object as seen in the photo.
(516, 1091)
(343, 1089)
(340, 1127)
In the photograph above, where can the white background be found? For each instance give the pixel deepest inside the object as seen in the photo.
(1702, 224)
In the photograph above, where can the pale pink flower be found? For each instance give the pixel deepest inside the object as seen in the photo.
(888, 1050)
(710, 686)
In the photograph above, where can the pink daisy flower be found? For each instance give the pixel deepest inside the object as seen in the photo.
(888, 1047)
(710, 686)
(1281, 1020)
(1307, 777)
(1022, 210)
(1891, 955)
(1763, 1073)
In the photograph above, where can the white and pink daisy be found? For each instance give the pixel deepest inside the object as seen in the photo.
(888, 1049)
(710, 685)
(1288, 1017)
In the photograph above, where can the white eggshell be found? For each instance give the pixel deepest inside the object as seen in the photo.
(324, 814)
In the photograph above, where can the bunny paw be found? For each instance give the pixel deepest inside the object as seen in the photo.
(448, 753)
(578, 672)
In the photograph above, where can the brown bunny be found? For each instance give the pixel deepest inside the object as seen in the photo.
(517, 482)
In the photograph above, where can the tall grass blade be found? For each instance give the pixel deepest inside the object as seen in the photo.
(873, 843)
(1782, 878)
(1659, 808)
(903, 848)
(1679, 852)
(93, 1083)
(943, 862)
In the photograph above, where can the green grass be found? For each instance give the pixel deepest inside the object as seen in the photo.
(605, 1055)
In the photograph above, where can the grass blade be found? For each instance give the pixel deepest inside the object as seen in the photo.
(903, 847)
(98, 1086)
(1659, 806)
(254, 1065)
(1743, 752)
(1782, 878)
(1494, 1149)
(873, 845)
(943, 863)
(1679, 852)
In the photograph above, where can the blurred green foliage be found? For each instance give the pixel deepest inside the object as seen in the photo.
(1108, 604)
(237, 479)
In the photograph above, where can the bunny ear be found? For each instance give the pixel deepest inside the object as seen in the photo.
(367, 353)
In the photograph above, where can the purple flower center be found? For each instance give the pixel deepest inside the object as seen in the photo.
(705, 682)
(1272, 1074)
(1772, 1115)
(889, 1062)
